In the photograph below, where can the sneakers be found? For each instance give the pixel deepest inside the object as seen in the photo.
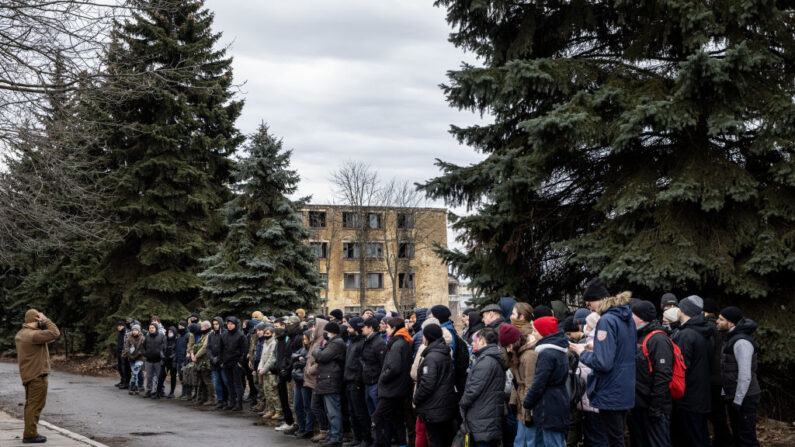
(291, 430)
(283, 427)
(320, 436)
(303, 434)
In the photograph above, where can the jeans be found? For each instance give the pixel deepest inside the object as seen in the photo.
(371, 398)
(318, 411)
(124, 367)
(549, 438)
(332, 404)
(152, 376)
(525, 436)
(509, 425)
(302, 401)
(357, 411)
(288, 415)
(218, 384)
(689, 429)
(743, 422)
(135, 377)
(234, 376)
(648, 431)
(593, 432)
(613, 423)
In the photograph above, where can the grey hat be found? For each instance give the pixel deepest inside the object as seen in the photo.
(136, 326)
(668, 299)
(492, 308)
(692, 305)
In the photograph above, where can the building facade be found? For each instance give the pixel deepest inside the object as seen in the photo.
(378, 257)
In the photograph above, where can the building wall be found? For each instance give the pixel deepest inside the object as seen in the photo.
(430, 272)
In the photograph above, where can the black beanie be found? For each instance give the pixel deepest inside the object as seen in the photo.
(710, 306)
(732, 313)
(440, 312)
(541, 311)
(595, 290)
(432, 332)
(337, 314)
(372, 322)
(332, 328)
(644, 310)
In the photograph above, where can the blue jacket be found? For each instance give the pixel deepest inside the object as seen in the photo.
(181, 348)
(449, 326)
(422, 314)
(547, 397)
(611, 385)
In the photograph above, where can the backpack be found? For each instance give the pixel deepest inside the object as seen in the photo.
(677, 384)
(575, 385)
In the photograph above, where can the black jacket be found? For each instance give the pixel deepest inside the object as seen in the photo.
(171, 346)
(120, 338)
(547, 396)
(295, 342)
(181, 346)
(475, 325)
(373, 352)
(299, 362)
(283, 356)
(330, 360)
(716, 346)
(483, 401)
(395, 378)
(234, 346)
(434, 397)
(154, 347)
(652, 389)
(693, 339)
(353, 361)
(730, 369)
(214, 346)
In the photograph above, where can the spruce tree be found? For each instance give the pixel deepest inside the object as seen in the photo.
(264, 263)
(648, 142)
(171, 110)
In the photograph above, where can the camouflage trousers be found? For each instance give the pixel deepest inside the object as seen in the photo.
(270, 395)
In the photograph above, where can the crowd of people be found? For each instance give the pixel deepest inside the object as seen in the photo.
(512, 374)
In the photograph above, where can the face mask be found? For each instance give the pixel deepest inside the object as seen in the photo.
(326, 337)
(170, 335)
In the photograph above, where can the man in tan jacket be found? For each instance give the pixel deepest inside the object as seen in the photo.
(34, 367)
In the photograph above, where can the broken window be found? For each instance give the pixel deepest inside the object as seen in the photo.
(406, 281)
(349, 220)
(351, 281)
(406, 250)
(350, 250)
(317, 219)
(405, 221)
(375, 250)
(374, 221)
(319, 249)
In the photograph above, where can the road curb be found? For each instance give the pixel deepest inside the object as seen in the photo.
(71, 435)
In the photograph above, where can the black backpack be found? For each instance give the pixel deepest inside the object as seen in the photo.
(575, 385)
(460, 362)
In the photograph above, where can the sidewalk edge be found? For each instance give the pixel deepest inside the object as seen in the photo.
(71, 435)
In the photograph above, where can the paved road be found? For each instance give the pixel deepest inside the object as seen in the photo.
(93, 407)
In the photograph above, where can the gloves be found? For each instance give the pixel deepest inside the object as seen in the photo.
(736, 407)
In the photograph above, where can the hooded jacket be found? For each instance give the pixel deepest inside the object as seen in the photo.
(134, 344)
(738, 375)
(234, 345)
(294, 344)
(171, 346)
(435, 399)
(547, 396)
(693, 340)
(506, 307)
(214, 346)
(373, 353)
(154, 347)
(353, 361)
(483, 401)
(310, 370)
(283, 355)
(475, 325)
(330, 360)
(611, 386)
(299, 362)
(395, 380)
(524, 371)
(422, 314)
(652, 388)
(181, 346)
(267, 359)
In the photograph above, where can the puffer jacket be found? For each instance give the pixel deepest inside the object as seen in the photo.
(483, 402)
(234, 346)
(154, 347)
(310, 370)
(611, 386)
(214, 347)
(373, 353)
(330, 360)
(693, 339)
(353, 361)
(299, 362)
(652, 389)
(133, 347)
(523, 372)
(267, 360)
(435, 398)
(547, 397)
(395, 380)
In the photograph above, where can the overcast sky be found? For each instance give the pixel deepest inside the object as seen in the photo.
(347, 79)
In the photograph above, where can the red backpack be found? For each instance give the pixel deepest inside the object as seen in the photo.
(677, 384)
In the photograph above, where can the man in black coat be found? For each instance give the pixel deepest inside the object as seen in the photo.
(354, 384)
(394, 385)
(331, 360)
(649, 421)
(215, 352)
(435, 399)
(123, 364)
(154, 349)
(234, 348)
(373, 352)
(689, 418)
(484, 394)
(169, 364)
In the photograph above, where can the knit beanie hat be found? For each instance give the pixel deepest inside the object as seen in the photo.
(671, 314)
(301, 313)
(644, 310)
(668, 299)
(371, 322)
(509, 335)
(337, 314)
(710, 306)
(595, 290)
(541, 312)
(546, 325)
(136, 327)
(332, 328)
(432, 332)
(356, 323)
(441, 312)
(692, 305)
(732, 313)
(31, 315)
(580, 315)
(261, 327)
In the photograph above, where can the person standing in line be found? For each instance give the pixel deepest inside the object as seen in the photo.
(721, 435)
(611, 386)
(434, 397)
(738, 373)
(483, 401)
(354, 386)
(330, 359)
(154, 350)
(180, 351)
(394, 385)
(33, 358)
(121, 336)
(373, 352)
(234, 348)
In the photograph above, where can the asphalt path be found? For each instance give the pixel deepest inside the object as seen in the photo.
(93, 407)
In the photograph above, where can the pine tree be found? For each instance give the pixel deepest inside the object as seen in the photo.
(264, 263)
(647, 142)
(170, 105)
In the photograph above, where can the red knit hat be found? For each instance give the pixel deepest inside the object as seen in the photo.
(509, 334)
(546, 325)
